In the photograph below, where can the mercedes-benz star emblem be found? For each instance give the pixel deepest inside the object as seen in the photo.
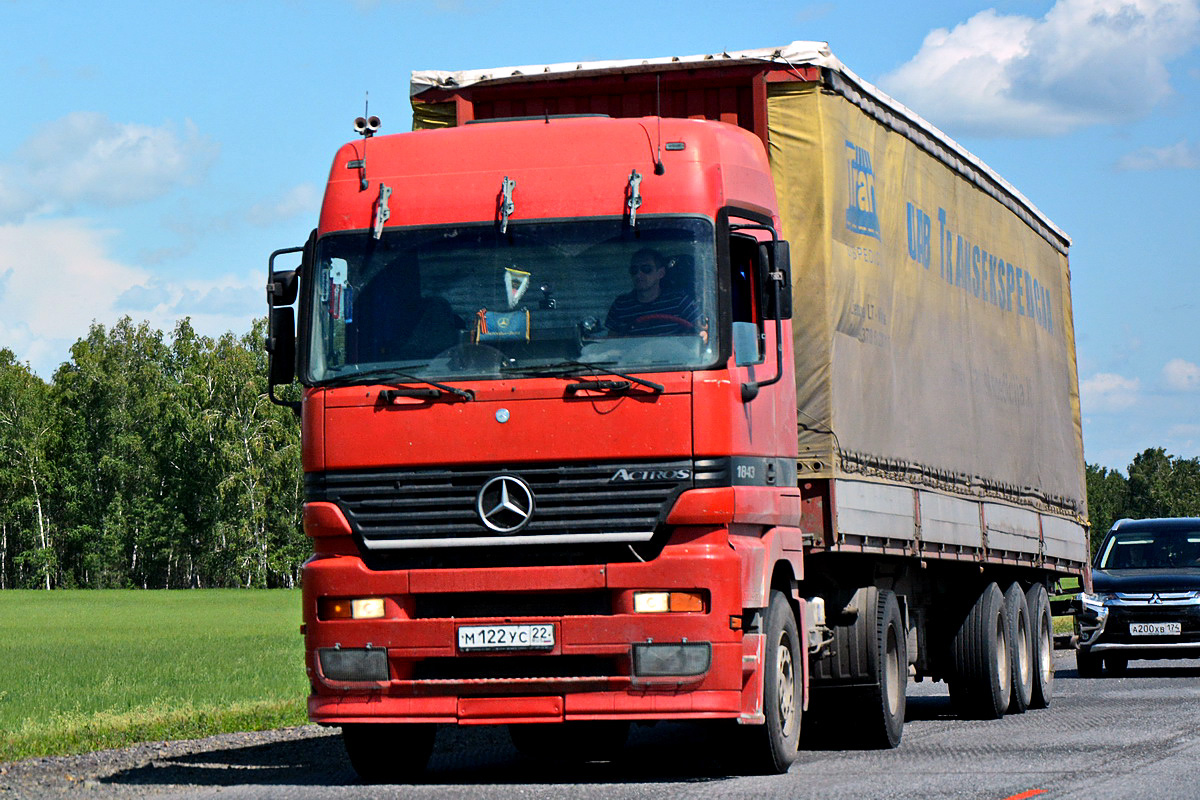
(505, 504)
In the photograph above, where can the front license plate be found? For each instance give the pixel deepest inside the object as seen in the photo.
(1155, 628)
(506, 637)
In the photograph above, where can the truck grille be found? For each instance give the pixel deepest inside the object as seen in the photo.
(572, 504)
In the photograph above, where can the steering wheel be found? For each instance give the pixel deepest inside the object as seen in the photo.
(686, 324)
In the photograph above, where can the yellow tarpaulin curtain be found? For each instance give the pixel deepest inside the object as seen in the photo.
(433, 115)
(932, 327)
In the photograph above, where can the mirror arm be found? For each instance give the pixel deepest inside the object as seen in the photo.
(294, 405)
(750, 389)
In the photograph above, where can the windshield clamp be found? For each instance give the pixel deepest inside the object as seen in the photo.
(382, 212)
(507, 206)
(635, 197)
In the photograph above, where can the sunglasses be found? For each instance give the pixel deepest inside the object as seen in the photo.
(645, 269)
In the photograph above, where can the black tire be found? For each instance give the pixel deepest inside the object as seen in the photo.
(982, 676)
(1020, 649)
(1041, 625)
(1087, 664)
(769, 749)
(382, 753)
(1116, 666)
(865, 709)
(570, 742)
(880, 721)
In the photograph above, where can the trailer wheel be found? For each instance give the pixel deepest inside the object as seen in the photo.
(1087, 664)
(771, 748)
(570, 742)
(1042, 626)
(382, 753)
(1020, 646)
(982, 680)
(880, 723)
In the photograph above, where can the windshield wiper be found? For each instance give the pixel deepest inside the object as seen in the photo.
(565, 368)
(438, 390)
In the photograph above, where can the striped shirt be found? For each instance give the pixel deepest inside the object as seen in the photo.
(659, 317)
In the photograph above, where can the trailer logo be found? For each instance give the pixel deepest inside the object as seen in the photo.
(862, 215)
(505, 504)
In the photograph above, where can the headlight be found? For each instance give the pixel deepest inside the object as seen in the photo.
(1095, 602)
(358, 608)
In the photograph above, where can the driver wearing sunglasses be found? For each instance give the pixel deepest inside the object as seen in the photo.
(650, 309)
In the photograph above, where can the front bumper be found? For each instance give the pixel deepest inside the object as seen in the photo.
(587, 674)
(1106, 627)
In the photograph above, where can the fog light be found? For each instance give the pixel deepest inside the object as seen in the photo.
(662, 602)
(671, 660)
(354, 663)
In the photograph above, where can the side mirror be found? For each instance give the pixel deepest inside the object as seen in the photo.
(775, 262)
(281, 346)
(282, 288)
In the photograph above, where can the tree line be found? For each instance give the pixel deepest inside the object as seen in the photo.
(1158, 485)
(149, 461)
(158, 461)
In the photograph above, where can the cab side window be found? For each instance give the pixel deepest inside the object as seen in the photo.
(746, 317)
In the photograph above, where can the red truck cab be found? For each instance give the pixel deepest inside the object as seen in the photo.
(550, 468)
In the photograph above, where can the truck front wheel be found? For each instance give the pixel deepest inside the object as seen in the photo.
(771, 748)
(382, 753)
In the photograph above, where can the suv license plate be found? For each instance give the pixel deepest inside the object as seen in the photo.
(1155, 628)
(506, 637)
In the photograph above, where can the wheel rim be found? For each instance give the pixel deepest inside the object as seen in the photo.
(1024, 667)
(1002, 665)
(785, 675)
(1045, 659)
(894, 687)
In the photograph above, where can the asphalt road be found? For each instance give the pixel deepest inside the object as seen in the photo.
(1133, 737)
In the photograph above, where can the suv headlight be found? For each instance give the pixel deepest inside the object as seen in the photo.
(1095, 603)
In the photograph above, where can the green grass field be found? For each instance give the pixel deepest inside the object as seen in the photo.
(86, 670)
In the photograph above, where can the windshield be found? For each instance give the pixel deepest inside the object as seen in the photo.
(471, 302)
(1152, 549)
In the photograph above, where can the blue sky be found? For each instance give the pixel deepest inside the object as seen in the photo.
(154, 153)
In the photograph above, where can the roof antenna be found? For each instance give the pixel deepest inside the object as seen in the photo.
(658, 165)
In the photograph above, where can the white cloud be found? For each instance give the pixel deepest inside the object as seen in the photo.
(1084, 62)
(1182, 376)
(57, 281)
(86, 160)
(1181, 155)
(301, 200)
(1106, 391)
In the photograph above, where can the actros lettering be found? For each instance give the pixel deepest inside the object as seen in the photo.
(626, 475)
